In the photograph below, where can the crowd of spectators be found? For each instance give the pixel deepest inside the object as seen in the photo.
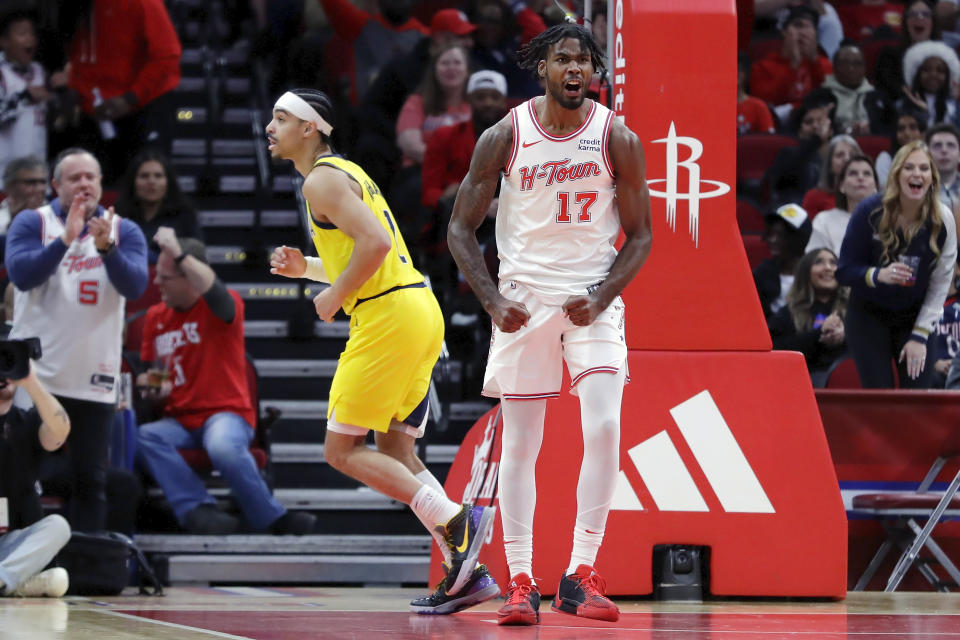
(868, 92)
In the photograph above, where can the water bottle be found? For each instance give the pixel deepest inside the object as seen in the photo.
(107, 130)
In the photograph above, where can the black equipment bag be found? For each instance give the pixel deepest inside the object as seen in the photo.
(100, 564)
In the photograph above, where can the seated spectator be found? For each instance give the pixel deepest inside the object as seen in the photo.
(930, 70)
(376, 148)
(946, 340)
(124, 80)
(150, 196)
(861, 109)
(908, 129)
(753, 114)
(28, 540)
(796, 170)
(870, 19)
(918, 26)
(787, 76)
(944, 143)
(856, 182)
(786, 234)
(197, 333)
(25, 183)
(23, 91)
(495, 43)
(448, 155)
(812, 320)
(840, 149)
(898, 257)
(829, 28)
(440, 101)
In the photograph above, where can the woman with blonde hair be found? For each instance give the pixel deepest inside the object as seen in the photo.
(897, 258)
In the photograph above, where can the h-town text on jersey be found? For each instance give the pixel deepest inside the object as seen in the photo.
(556, 170)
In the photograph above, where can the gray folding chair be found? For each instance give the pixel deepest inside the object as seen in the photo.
(903, 530)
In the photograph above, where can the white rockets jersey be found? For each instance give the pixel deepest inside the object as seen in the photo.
(557, 219)
(27, 133)
(78, 316)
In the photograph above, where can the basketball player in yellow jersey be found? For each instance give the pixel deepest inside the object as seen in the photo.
(396, 331)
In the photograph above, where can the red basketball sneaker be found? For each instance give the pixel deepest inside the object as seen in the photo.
(581, 593)
(523, 602)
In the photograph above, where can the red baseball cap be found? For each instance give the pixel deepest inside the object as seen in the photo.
(452, 21)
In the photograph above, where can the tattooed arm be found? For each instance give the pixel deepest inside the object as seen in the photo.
(473, 198)
(56, 423)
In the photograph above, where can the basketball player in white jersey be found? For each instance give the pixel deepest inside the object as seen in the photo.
(572, 178)
(72, 263)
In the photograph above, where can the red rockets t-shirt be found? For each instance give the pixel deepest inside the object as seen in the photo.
(206, 360)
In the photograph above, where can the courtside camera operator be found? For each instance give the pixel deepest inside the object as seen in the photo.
(27, 541)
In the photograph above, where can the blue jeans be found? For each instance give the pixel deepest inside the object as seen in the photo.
(226, 438)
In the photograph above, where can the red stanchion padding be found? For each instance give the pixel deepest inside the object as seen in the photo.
(674, 73)
(718, 449)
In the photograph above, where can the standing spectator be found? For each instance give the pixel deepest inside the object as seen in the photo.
(930, 70)
(786, 234)
(197, 333)
(870, 19)
(150, 196)
(25, 183)
(32, 540)
(897, 258)
(812, 320)
(23, 91)
(72, 264)
(909, 128)
(944, 143)
(440, 101)
(753, 114)
(375, 39)
(376, 148)
(918, 26)
(128, 51)
(822, 197)
(856, 181)
(787, 76)
(861, 109)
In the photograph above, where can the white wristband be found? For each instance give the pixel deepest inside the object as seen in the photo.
(315, 270)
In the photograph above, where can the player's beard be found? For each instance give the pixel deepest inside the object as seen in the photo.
(567, 103)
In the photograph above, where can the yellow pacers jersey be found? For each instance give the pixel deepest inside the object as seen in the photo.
(335, 247)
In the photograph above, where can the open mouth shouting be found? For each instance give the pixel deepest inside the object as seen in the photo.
(572, 87)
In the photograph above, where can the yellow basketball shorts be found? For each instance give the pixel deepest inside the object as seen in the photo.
(384, 371)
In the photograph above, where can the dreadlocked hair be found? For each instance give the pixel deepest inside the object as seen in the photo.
(323, 105)
(530, 54)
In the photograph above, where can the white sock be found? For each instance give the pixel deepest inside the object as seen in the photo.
(600, 397)
(433, 506)
(522, 437)
(430, 480)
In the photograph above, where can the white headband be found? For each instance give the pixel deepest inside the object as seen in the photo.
(294, 104)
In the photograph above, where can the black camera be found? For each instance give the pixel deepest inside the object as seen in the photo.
(15, 357)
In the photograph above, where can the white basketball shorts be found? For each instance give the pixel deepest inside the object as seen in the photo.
(526, 364)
